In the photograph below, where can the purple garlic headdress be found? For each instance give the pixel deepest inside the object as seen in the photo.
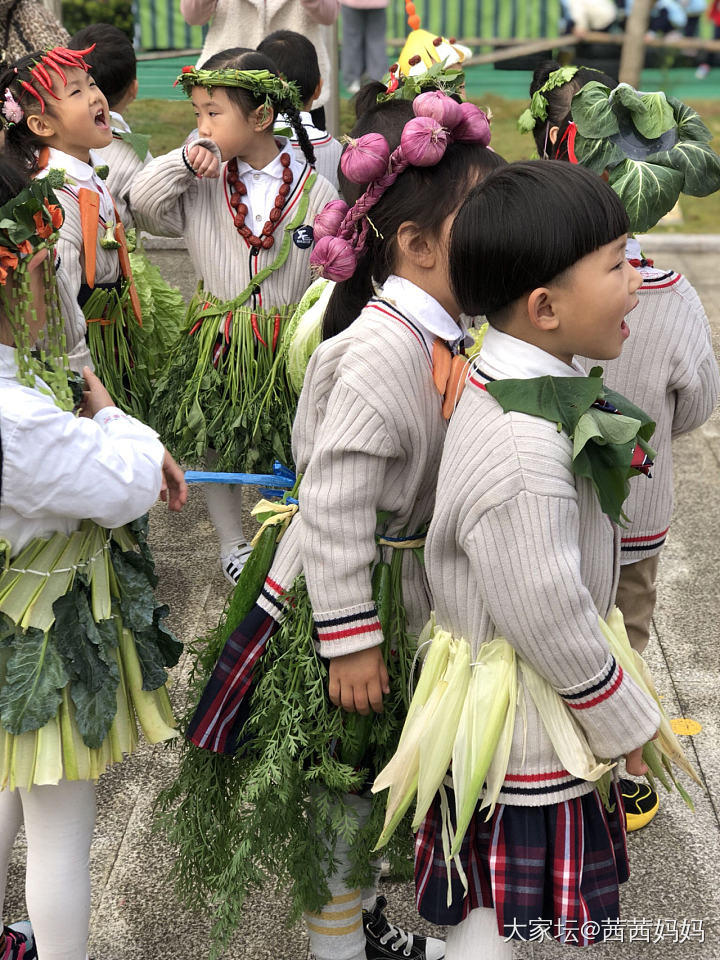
(341, 231)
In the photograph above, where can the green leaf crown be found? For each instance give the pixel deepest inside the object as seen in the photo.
(260, 83)
(437, 77)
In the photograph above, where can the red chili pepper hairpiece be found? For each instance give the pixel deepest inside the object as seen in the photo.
(55, 60)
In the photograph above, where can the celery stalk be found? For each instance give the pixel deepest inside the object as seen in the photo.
(40, 612)
(48, 755)
(100, 577)
(153, 726)
(16, 601)
(23, 560)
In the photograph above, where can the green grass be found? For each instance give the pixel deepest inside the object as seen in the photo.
(168, 123)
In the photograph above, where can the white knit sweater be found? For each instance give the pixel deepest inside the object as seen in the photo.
(123, 166)
(368, 437)
(70, 255)
(668, 369)
(168, 199)
(518, 547)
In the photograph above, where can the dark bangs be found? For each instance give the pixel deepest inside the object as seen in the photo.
(524, 225)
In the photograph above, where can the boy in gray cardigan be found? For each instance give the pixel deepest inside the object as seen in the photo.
(521, 546)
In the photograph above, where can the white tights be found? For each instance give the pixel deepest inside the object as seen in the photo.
(477, 937)
(59, 824)
(224, 503)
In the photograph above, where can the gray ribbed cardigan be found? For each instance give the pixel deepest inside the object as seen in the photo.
(518, 547)
(168, 199)
(368, 437)
(668, 369)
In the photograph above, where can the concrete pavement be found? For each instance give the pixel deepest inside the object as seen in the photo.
(671, 906)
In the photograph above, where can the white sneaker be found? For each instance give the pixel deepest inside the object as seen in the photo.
(353, 88)
(233, 563)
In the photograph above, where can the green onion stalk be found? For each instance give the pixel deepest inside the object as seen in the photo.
(118, 347)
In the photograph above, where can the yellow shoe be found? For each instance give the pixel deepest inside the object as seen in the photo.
(641, 803)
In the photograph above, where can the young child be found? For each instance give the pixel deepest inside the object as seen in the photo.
(113, 67)
(520, 548)
(56, 116)
(668, 366)
(246, 205)
(367, 440)
(72, 682)
(296, 59)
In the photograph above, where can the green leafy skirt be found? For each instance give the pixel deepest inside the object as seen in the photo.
(83, 656)
(225, 386)
(240, 822)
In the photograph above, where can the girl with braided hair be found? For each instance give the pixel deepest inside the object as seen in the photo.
(345, 598)
(245, 204)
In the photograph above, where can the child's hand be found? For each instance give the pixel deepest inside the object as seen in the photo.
(358, 681)
(174, 490)
(634, 763)
(203, 161)
(95, 397)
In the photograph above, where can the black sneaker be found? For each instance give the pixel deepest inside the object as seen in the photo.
(641, 803)
(384, 941)
(19, 942)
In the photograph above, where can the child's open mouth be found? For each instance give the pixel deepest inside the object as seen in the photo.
(100, 120)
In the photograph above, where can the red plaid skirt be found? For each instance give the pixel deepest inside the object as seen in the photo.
(556, 866)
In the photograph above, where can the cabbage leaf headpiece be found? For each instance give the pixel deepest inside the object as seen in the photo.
(653, 146)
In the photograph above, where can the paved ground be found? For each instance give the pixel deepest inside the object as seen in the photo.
(672, 899)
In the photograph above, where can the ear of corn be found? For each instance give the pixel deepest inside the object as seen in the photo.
(436, 750)
(666, 744)
(562, 728)
(482, 724)
(499, 763)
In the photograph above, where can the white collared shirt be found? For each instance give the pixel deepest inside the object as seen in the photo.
(263, 185)
(59, 469)
(119, 122)
(315, 134)
(504, 357)
(82, 175)
(432, 318)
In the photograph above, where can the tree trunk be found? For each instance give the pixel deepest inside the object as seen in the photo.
(633, 48)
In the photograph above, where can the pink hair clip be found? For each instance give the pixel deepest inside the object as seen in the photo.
(11, 109)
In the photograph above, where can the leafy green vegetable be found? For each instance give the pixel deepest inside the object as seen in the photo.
(34, 678)
(602, 449)
(697, 161)
(561, 400)
(651, 113)
(597, 155)
(649, 191)
(592, 111)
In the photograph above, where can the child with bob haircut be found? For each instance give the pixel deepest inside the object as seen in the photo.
(246, 205)
(521, 547)
(668, 365)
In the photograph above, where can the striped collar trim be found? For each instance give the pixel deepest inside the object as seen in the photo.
(390, 310)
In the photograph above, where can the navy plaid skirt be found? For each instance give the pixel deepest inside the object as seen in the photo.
(225, 704)
(557, 865)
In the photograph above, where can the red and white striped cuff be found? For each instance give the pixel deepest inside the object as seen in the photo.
(348, 630)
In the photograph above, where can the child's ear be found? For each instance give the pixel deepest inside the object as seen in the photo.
(264, 118)
(414, 244)
(40, 125)
(541, 310)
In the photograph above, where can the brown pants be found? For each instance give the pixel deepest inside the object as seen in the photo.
(636, 596)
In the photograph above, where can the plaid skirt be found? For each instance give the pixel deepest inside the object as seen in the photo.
(549, 872)
(225, 704)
